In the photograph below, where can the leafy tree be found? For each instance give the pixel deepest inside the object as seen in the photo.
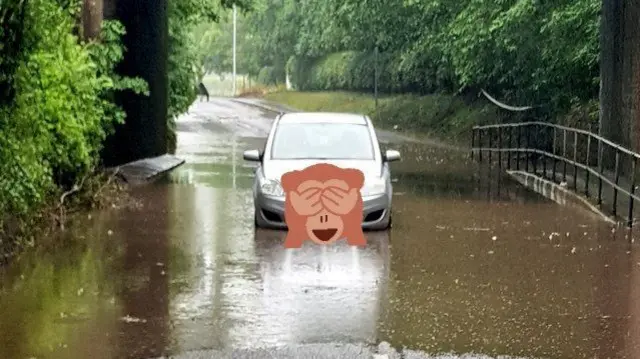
(61, 109)
(184, 62)
(523, 51)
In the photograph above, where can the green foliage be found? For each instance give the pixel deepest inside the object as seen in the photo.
(52, 131)
(187, 53)
(106, 54)
(268, 76)
(348, 70)
(442, 116)
(214, 45)
(521, 51)
(527, 50)
(181, 64)
(264, 38)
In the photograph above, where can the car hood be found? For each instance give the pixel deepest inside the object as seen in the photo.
(274, 169)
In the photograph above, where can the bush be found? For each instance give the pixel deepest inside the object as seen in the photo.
(182, 70)
(443, 116)
(349, 71)
(52, 132)
(297, 68)
(268, 76)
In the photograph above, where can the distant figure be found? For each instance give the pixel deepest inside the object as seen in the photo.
(202, 91)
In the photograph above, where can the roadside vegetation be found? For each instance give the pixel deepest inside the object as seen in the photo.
(438, 116)
(186, 17)
(521, 52)
(57, 107)
(56, 111)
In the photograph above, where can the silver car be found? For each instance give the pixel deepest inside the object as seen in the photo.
(301, 139)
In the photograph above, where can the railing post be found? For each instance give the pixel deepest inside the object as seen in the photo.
(509, 148)
(564, 155)
(555, 160)
(480, 144)
(575, 161)
(615, 187)
(490, 145)
(632, 190)
(500, 148)
(526, 157)
(518, 140)
(586, 183)
(544, 159)
(473, 141)
(601, 170)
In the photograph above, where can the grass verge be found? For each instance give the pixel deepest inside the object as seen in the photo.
(443, 117)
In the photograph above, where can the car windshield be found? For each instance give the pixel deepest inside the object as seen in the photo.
(322, 141)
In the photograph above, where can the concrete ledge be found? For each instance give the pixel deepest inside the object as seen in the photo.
(147, 169)
(558, 193)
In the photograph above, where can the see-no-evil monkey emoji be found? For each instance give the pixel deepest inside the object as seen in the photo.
(323, 204)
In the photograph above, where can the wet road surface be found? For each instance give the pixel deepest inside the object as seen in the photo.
(473, 266)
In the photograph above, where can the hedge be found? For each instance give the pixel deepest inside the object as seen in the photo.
(355, 71)
(270, 75)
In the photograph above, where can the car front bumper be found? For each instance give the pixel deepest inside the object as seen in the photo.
(376, 211)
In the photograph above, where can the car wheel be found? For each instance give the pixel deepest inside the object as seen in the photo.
(255, 219)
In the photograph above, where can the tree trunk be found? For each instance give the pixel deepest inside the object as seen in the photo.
(630, 46)
(610, 71)
(631, 56)
(620, 75)
(92, 11)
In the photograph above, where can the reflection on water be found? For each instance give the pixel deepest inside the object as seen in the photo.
(185, 272)
(47, 298)
(240, 292)
(527, 278)
(145, 265)
(323, 294)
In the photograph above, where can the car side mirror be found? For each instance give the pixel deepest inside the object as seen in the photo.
(252, 155)
(391, 156)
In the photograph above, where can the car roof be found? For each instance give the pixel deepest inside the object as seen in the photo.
(323, 117)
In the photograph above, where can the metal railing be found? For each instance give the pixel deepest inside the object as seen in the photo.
(543, 146)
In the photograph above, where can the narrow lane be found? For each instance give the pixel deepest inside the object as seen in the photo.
(473, 265)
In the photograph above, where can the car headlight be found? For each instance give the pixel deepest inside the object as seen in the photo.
(272, 188)
(373, 188)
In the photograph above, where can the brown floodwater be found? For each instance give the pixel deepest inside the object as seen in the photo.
(473, 264)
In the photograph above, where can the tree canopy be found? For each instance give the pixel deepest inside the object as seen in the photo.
(524, 51)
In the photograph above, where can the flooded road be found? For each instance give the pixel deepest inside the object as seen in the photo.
(473, 264)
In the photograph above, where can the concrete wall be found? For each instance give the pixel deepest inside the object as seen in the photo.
(144, 133)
